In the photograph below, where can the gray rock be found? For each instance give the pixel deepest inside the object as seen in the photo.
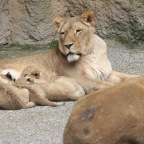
(31, 21)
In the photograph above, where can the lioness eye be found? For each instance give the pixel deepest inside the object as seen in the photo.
(78, 30)
(62, 33)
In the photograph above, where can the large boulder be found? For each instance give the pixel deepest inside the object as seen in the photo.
(30, 21)
(110, 116)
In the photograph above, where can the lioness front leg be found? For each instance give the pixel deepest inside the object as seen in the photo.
(90, 85)
(117, 77)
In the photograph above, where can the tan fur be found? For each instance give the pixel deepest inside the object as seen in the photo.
(81, 55)
(5, 79)
(30, 79)
(37, 95)
(113, 115)
(56, 88)
(12, 98)
(22, 94)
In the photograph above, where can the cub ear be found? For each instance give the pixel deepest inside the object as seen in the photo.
(88, 18)
(58, 21)
(36, 74)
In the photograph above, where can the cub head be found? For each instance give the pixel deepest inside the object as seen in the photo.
(28, 75)
(75, 35)
(31, 74)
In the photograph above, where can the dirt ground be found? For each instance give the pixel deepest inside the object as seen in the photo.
(45, 125)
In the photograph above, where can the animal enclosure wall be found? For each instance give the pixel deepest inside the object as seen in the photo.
(30, 21)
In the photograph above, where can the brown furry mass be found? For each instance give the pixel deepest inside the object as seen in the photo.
(109, 116)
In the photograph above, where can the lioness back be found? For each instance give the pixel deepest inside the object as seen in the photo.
(80, 54)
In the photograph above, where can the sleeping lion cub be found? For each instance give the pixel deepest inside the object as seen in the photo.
(81, 55)
(57, 88)
(35, 88)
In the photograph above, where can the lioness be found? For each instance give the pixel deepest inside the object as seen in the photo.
(81, 55)
(113, 115)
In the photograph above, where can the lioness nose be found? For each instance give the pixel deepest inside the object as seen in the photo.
(68, 45)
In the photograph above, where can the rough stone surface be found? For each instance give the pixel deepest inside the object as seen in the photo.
(4, 22)
(30, 21)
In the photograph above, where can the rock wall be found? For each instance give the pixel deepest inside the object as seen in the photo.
(30, 21)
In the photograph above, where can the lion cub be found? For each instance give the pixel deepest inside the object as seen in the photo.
(36, 88)
(22, 94)
(57, 88)
(12, 98)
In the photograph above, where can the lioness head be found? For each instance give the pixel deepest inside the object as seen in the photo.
(75, 35)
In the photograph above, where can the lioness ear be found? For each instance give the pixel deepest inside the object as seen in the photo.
(88, 18)
(58, 21)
